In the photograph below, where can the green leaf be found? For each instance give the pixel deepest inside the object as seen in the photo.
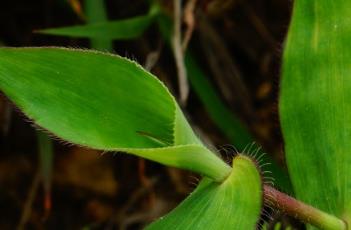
(119, 29)
(233, 204)
(104, 102)
(65, 90)
(315, 104)
(96, 13)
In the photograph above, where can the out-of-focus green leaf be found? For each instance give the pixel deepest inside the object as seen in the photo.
(104, 102)
(277, 226)
(233, 204)
(315, 104)
(95, 12)
(231, 126)
(120, 29)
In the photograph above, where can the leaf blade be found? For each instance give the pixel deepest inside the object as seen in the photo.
(314, 103)
(235, 203)
(119, 107)
(120, 29)
(61, 80)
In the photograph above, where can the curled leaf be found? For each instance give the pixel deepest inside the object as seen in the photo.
(104, 102)
(233, 204)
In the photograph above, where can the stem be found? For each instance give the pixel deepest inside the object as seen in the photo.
(302, 211)
(27, 209)
(178, 53)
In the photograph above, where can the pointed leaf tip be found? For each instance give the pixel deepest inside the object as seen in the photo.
(86, 97)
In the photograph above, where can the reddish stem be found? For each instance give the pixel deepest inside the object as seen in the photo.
(301, 211)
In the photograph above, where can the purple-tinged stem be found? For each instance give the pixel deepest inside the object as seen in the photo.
(301, 211)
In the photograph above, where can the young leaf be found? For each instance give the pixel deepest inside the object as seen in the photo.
(104, 102)
(119, 29)
(315, 104)
(108, 102)
(233, 204)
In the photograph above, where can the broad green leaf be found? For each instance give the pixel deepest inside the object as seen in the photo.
(104, 102)
(119, 29)
(64, 90)
(315, 104)
(233, 204)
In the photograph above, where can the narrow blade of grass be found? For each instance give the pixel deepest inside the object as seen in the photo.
(101, 31)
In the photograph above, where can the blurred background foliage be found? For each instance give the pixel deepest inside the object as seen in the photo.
(234, 69)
